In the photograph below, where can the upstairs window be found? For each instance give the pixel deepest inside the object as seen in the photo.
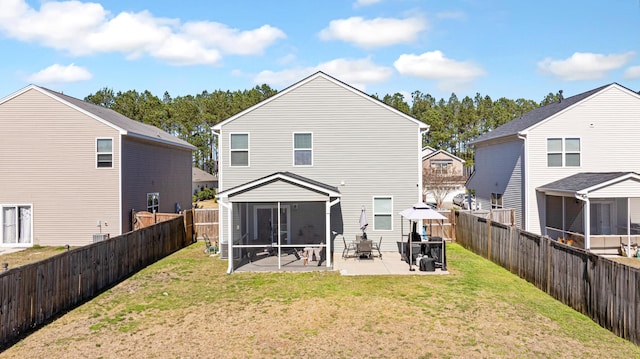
(239, 150)
(442, 167)
(382, 213)
(302, 149)
(104, 153)
(563, 152)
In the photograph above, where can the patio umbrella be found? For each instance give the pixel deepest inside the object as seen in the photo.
(363, 221)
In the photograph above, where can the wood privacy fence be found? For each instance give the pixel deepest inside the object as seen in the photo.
(198, 221)
(206, 221)
(603, 289)
(33, 294)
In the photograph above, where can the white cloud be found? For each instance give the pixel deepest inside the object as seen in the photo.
(357, 73)
(584, 65)
(234, 41)
(378, 32)
(87, 28)
(632, 73)
(450, 74)
(363, 3)
(58, 74)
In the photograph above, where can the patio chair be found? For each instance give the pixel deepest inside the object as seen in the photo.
(209, 248)
(347, 247)
(364, 248)
(376, 246)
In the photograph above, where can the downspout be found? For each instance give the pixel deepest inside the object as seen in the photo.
(523, 136)
(228, 206)
(420, 179)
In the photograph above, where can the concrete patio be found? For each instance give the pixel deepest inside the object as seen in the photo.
(389, 264)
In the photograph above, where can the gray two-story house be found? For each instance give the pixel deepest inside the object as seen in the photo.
(73, 171)
(299, 168)
(569, 169)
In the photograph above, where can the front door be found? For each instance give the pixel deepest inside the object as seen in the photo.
(266, 220)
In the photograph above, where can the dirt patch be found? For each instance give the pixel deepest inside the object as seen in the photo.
(210, 203)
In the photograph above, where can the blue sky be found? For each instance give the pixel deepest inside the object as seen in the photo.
(501, 48)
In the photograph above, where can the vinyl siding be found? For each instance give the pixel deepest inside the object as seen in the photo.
(608, 125)
(499, 170)
(148, 167)
(627, 188)
(371, 149)
(48, 159)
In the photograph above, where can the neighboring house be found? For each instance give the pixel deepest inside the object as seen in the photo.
(569, 169)
(71, 169)
(201, 180)
(303, 164)
(443, 164)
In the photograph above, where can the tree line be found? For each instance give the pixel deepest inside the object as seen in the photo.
(454, 123)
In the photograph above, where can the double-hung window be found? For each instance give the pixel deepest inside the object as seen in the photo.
(382, 213)
(239, 150)
(563, 152)
(496, 200)
(104, 153)
(153, 202)
(302, 149)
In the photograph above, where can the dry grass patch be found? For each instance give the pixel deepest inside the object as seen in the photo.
(29, 255)
(185, 306)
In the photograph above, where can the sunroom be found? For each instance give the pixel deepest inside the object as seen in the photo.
(277, 220)
(598, 212)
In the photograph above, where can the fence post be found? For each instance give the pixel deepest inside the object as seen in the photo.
(489, 238)
(548, 265)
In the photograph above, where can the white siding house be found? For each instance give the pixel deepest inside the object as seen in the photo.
(299, 167)
(553, 164)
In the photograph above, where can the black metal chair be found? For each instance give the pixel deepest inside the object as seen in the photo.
(376, 246)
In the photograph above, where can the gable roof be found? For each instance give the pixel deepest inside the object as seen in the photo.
(125, 125)
(286, 177)
(321, 74)
(585, 182)
(537, 115)
(432, 154)
(198, 175)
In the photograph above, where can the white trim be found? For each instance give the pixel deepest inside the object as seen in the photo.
(17, 206)
(248, 149)
(157, 194)
(281, 176)
(373, 212)
(103, 153)
(294, 149)
(563, 152)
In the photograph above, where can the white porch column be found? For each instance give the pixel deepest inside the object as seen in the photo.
(587, 225)
(327, 229)
(228, 206)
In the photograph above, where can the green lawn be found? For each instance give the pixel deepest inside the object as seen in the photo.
(185, 306)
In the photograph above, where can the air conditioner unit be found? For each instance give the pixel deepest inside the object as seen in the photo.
(99, 237)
